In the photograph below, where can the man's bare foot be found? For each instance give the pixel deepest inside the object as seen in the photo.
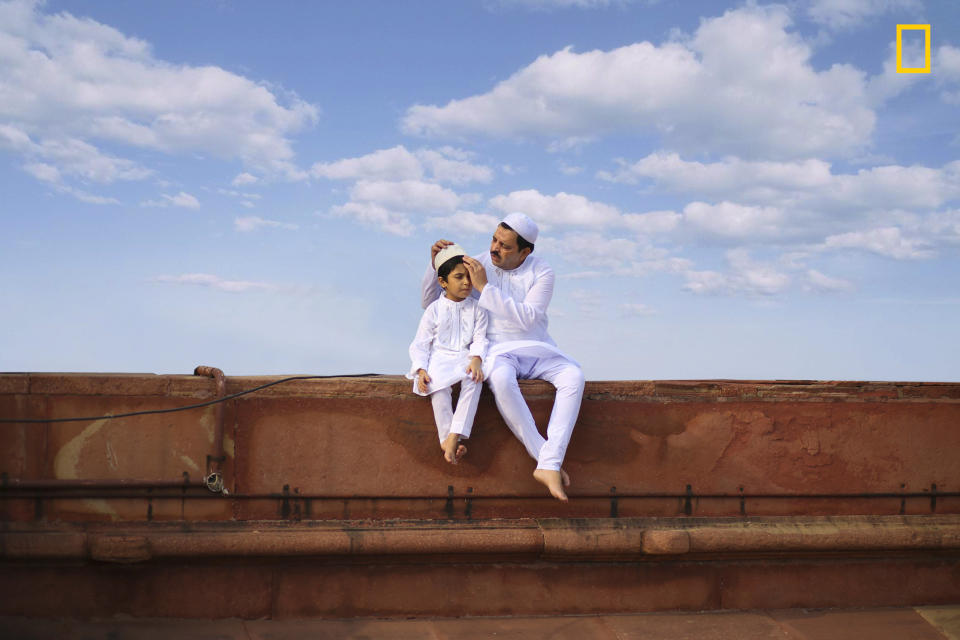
(452, 449)
(553, 481)
(565, 478)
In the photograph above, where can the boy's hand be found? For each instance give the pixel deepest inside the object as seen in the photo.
(422, 379)
(475, 369)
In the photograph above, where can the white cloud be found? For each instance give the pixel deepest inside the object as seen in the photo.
(248, 224)
(239, 194)
(43, 172)
(405, 195)
(947, 67)
(465, 222)
(546, 5)
(244, 179)
(806, 183)
(89, 198)
(386, 164)
(216, 282)
(746, 276)
(636, 309)
(707, 92)
(847, 14)
(71, 81)
(733, 220)
(562, 208)
(377, 216)
(593, 249)
(652, 222)
(181, 199)
(446, 164)
(70, 157)
(885, 241)
(390, 186)
(819, 282)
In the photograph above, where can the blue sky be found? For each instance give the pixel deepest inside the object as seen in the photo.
(725, 190)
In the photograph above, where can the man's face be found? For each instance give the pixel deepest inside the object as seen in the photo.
(503, 250)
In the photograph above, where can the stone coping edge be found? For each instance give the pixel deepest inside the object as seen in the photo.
(598, 539)
(395, 386)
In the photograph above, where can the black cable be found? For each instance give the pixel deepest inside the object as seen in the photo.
(191, 406)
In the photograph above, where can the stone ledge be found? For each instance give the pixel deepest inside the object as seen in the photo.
(554, 539)
(394, 386)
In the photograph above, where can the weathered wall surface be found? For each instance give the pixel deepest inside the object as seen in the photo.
(367, 447)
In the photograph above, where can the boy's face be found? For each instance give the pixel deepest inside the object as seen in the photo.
(457, 285)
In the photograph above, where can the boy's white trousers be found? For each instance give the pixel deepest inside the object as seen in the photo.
(461, 420)
(559, 371)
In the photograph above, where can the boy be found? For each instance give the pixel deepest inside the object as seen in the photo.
(449, 347)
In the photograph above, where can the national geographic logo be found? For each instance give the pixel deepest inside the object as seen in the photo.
(925, 28)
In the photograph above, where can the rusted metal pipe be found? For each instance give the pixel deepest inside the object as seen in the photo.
(88, 484)
(214, 478)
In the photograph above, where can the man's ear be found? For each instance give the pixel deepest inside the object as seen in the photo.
(525, 252)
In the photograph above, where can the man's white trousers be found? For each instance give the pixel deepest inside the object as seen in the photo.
(562, 374)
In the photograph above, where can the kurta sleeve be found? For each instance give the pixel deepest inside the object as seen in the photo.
(429, 288)
(479, 345)
(420, 347)
(526, 313)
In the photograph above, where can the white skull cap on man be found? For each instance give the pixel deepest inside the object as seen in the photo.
(523, 225)
(450, 251)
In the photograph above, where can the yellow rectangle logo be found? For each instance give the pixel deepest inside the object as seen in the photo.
(926, 42)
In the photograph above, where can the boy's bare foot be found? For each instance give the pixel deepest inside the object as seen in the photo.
(553, 481)
(452, 449)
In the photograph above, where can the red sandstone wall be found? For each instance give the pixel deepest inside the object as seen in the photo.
(354, 448)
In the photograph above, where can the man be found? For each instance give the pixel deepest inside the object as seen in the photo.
(515, 288)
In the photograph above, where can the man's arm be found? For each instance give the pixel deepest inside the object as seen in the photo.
(429, 287)
(420, 347)
(526, 313)
(478, 347)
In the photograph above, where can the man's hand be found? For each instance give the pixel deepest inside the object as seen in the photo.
(422, 379)
(478, 275)
(436, 248)
(475, 369)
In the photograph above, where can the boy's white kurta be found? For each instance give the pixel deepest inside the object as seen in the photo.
(449, 334)
(516, 301)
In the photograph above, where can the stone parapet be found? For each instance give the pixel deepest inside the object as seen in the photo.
(365, 447)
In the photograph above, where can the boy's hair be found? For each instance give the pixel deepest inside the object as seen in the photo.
(448, 266)
(522, 242)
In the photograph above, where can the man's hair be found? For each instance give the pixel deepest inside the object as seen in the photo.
(448, 266)
(521, 241)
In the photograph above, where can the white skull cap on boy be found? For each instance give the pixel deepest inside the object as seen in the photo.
(523, 225)
(450, 251)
